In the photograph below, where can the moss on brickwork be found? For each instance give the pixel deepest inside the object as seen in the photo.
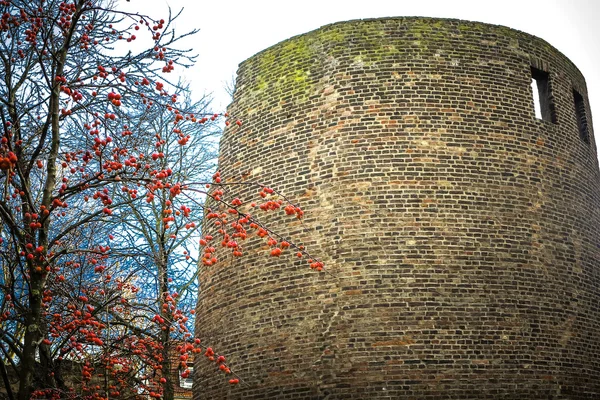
(460, 232)
(284, 71)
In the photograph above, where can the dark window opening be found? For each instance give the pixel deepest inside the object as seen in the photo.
(581, 117)
(542, 95)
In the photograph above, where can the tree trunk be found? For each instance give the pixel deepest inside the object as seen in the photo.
(32, 337)
(168, 387)
(6, 380)
(163, 284)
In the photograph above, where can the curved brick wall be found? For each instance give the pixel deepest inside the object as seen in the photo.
(462, 234)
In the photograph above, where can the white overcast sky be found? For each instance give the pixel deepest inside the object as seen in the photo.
(231, 31)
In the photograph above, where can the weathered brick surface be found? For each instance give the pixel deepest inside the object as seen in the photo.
(462, 234)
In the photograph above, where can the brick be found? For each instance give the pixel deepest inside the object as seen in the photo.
(445, 211)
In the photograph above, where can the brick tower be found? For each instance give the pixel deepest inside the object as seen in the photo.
(457, 215)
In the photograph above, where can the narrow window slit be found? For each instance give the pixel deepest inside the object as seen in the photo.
(581, 117)
(536, 99)
(542, 95)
